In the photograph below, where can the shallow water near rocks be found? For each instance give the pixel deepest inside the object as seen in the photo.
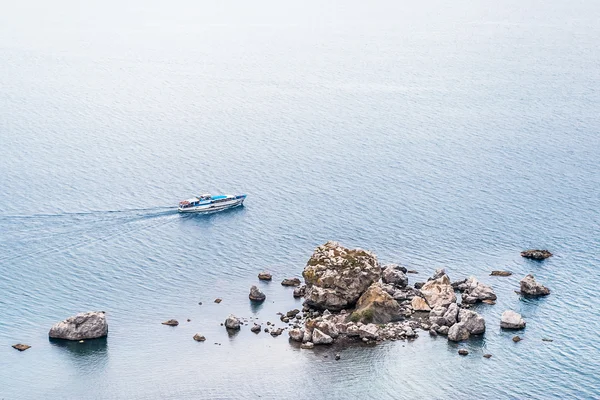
(436, 135)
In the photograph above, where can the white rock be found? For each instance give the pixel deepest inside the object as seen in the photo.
(512, 320)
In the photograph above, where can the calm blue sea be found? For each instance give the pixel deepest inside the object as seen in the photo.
(436, 134)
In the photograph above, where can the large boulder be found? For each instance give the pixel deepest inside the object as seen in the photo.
(474, 322)
(439, 291)
(376, 305)
(458, 332)
(512, 320)
(90, 325)
(319, 337)
(530, 287)
(475, 291)
(393, 275)
(336, 276)
(536, 254)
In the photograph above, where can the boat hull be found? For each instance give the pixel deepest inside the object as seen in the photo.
(213, 207)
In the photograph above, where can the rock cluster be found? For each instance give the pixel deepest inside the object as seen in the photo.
(90, 325)
(530, 287)
(474, 291)
(536, 254)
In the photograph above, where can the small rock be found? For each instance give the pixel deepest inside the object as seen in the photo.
(217, 300)
(171, 322)
(432, 332)
(82, 341)
(292, 313)
(199, 338)
(200, 303)
(516, 339)
(412, 271)
(296, 334)
(265, 276)
(21, 347)
(276, 332)
(300, 291)
(501, 273)
(463, 352)
(307, 345)
(547, 340)
(419, 285)
(232, 322)
(530, 287)
(487, 356)
(291, 282)
(256, 295)
(267, 330)
(256, 328)
(511, 320)
(189, 320)
(536, 254)
(487, 301)
(337, 356)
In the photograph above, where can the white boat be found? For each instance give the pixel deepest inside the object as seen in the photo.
(208, 203)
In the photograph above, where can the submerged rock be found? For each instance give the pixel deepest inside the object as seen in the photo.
(265, 276)
(536, 254)
(291, 282)
(487, 356)
(376, 305)
(511, 320)
(336, 276)
(90, 325)
(21, 347)
(256, 294)
(171, 322)
(530, 287)
(501, 273)
(232, 322)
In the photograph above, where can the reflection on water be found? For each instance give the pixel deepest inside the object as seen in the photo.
(93, 352)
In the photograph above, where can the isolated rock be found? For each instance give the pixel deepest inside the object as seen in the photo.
(232, 322)
(475, 291)
(276, 332)
(487, 356)
(319, 337)
(171, 322)
(90, 325)
(516, 339)
(463, 352)
(536, 254)
(299, 291)
(291, 282)
(199, 338)
(21, 347)
(501, 273)
(376, 305)
(256, 294)
(458, 332)
(438, 291)
(394, 276)
(336, 276)
(218, 300)
(530, 287)
(265, 276)
(419, 304)
(255, 328)
(296, 334)
(511, 320)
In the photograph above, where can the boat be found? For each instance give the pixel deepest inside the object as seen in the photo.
(207, 203)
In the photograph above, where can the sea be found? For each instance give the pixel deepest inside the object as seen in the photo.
(435, 134)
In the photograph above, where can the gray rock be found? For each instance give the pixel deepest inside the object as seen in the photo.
(256, 294)
(255, 328)
(511, 320)
(501, 273)
(328, 327)
(393, 276)
(171, 322)
(199, 338)
(458, 332)
(299, 291)
(232, 322)
(463, 352)
(443, 330)
(530, 287)
(474, 322)
(536, 254)
(296, 335)
(376, 305)
(291, 282)
(319, 337)
(369, 331)
(336, 276)
(451, 315)
(90, 325)
(307, 345)
(438, 291)
(475, 291)
(265, 276)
